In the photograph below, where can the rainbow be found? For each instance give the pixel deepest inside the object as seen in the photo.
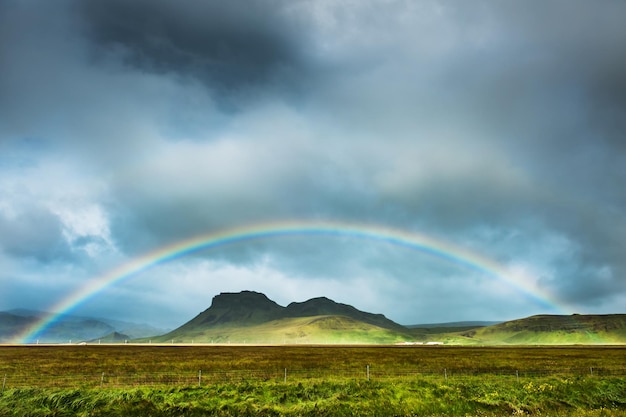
(420, 242)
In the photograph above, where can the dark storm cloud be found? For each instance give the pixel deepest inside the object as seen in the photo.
(522, 108)
(34, 233)
(498, 126)
(230, 46)
(496, 117)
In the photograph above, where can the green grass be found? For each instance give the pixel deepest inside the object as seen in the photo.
(471, 396)
(321, 381)
(41, 362)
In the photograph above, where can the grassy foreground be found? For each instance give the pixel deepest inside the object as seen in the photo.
(472, 396)
(40, 365)
(320, 381)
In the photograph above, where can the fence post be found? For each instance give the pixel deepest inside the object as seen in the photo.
(199, 377)
(517, 375)
(102, 380)
(4, 382)
(445, 374)
(285, 379)
(591, 370)
(367, 368)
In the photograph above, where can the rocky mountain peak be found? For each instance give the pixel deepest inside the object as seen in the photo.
(243, 300)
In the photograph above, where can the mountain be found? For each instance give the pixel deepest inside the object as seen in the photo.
(453, 324)
(69, 327)
(242, 309)
(12, 324)
(552, 330)
(251, 317)
(323, 306)
(134, 330)
(114, 337)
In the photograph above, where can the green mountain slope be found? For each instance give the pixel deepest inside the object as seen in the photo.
(251, 317)
(324, 306)
(314, 329)
(552, 330)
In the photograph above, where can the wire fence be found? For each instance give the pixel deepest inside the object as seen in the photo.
(111, 379)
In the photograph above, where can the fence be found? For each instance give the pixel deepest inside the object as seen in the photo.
(203, 377)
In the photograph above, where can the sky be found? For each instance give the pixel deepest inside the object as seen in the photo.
(497, 127)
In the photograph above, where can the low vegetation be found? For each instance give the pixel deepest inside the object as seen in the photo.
(464, 397)
(312, 380)
(43, 361)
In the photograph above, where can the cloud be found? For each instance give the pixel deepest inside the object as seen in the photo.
(34, 233)
(229, 47)
(497, 126)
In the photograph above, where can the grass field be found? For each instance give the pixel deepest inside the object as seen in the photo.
(320, 380)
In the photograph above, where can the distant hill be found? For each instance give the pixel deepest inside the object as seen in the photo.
(322, 306)
(453, 324)
(552, 330)
(251, 317)
(12, 324)
(66, 329)
(114, 337)
(69, 327)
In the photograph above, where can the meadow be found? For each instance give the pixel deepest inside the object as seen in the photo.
(126, 380)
